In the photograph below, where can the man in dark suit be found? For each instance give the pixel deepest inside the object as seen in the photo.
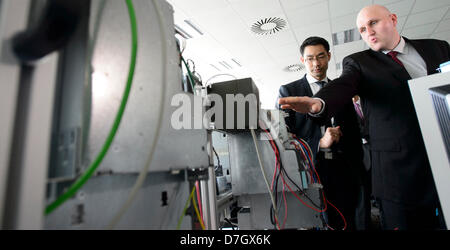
(365, 210)
(336, 146)
(401, 173)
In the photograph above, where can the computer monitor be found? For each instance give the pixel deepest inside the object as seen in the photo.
(430, 99)
(441, 103)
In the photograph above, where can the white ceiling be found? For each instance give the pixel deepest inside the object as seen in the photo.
(226, 26)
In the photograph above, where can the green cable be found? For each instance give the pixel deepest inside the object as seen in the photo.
(185, 208)
(189, 74)
(85, 177)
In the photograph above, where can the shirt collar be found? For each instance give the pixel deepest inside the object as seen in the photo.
(312, 80)
(400, 47)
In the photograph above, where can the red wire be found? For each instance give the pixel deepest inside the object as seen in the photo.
(278, 167)
(312, 164)
(277, 154)
(284, 199)
(274, 174)
(285, 205)
(298, 198)
(318, 178)
(304, 157)
(276, 164)
(342, 216)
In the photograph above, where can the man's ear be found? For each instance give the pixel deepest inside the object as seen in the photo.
(302, 59)
(329, 56)
(394, 19)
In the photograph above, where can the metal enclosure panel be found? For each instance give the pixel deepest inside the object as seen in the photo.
(31, 147)
(13, 18)
(245, 114)
(72, 107)
(246, 176)
(298, 216)
(432, 135)
(176, 149)
(98, 201)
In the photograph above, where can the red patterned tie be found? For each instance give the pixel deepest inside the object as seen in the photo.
(394, 54)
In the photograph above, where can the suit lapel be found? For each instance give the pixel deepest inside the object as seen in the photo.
(304, 85)
(391, 66)
(425, 56)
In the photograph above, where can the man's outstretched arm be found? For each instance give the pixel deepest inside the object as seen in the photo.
(301, 104)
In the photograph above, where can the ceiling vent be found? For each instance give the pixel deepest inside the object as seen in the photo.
(346, 36)
(294, 68)
(268, 26)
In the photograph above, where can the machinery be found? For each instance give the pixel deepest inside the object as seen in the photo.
(430, 97)
(104, 129)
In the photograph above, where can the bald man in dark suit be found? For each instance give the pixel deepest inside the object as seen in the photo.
(401, 173)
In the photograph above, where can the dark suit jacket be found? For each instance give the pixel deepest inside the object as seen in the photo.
(308, 129)
(400, 167)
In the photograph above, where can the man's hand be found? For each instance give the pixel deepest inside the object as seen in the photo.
(302, 104)
(331, 136)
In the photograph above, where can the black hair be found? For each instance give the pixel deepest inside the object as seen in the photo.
(314, 40)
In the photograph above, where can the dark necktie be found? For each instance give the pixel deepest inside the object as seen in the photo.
(321, 84)
(393, 55)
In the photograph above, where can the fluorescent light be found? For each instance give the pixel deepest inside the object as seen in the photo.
(182, 32)
(193, 26)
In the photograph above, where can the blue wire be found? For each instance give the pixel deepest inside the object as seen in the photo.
(309, 159)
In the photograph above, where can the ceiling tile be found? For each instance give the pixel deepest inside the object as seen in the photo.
(448, 15)
(343, 23)
(284, 62)
(386, 2)
(280, 38)
(419, 32)
(443, 26)
(308, 16)
(425, 17)
(252, 11)
(401, 8)
(346, 49)
(401, 23)
(423, 5)
(321, 29)
(345, 7)
(296, 4)
(442, 36)
(199, 6)
(289, 50)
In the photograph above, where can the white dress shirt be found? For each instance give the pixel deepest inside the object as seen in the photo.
(413, 62)
(315, 87)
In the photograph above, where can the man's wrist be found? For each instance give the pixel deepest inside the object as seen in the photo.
(321, 110)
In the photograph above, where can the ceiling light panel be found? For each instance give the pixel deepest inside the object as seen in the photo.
(346, 36)
(194, 26)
